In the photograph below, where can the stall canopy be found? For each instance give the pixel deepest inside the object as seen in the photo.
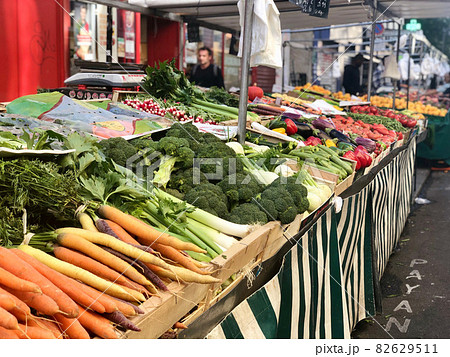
(223, 14)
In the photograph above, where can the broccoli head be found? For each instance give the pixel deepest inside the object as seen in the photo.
(268, 207)
(277, 198)
(118, 149)
(247, 213)
(221, 156)
(297, 191)
(143, 142)
(188, 132)
(177, 154)
(209, 138)
(240, 188)
(210, 198)
(184, 180)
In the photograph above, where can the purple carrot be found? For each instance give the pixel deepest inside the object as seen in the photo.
(136, 308)
(120, 319)
(140, 265)
(104, 227)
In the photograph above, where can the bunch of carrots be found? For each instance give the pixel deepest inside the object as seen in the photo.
(94, 280)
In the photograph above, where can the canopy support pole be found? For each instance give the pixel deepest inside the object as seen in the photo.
(372, 45)
(409, 71)
(283, 54)
(245, 64)
(399, 31)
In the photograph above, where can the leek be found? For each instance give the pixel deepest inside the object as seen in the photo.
(210, 220)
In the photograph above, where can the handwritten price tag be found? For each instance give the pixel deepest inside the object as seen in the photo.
(320, 8)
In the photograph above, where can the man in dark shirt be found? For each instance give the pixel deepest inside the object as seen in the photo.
(205, 74)
(351, 75)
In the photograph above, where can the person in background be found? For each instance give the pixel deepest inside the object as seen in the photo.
(443, 89)
(351, 76)
(205, 73)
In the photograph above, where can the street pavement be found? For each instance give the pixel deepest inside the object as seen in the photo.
(416, 282)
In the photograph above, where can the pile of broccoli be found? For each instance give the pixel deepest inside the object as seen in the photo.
(236, 196)
(210, 198)
(283, 199)
(240, 188)
(118, 149)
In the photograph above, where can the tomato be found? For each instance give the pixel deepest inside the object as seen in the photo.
(373, 110)
(403, 122)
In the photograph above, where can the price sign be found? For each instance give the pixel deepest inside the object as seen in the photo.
(320, 8)
(307, 6)
(193, 33)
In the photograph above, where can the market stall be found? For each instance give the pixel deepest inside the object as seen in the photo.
(336, 254)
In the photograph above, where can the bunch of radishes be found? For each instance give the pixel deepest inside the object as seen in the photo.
(147, 105)
(153, 107)
(182, 116)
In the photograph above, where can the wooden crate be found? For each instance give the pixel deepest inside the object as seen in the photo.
(161, 312)
(341, 187)
(321, 174)
(119, 95)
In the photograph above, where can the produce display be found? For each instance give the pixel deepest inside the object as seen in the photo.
(90, 237)
(400, 103)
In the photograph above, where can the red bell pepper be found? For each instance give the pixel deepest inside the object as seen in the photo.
(291, 128)
(352, 156)
(363, 156)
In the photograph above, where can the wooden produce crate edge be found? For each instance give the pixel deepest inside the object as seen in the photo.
(277, 236)
(119, 94)
(344, 184)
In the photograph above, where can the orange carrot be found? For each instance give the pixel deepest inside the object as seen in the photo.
(135, 286)
(89, 264)
(6, 334)
(145, 232)
(22, 311)
(34, 332)
(68, 285)
(162, 273)
(7, 302)
(96, 324)
(12, 281)
(72, 327)
(40, 302)
(175, 255)
(180, 325)
(75, 242)
(11, 260)
(80, 274)
(99, 297)
(8, 320)
(49, 325)
(110, 303)
(121, 233)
